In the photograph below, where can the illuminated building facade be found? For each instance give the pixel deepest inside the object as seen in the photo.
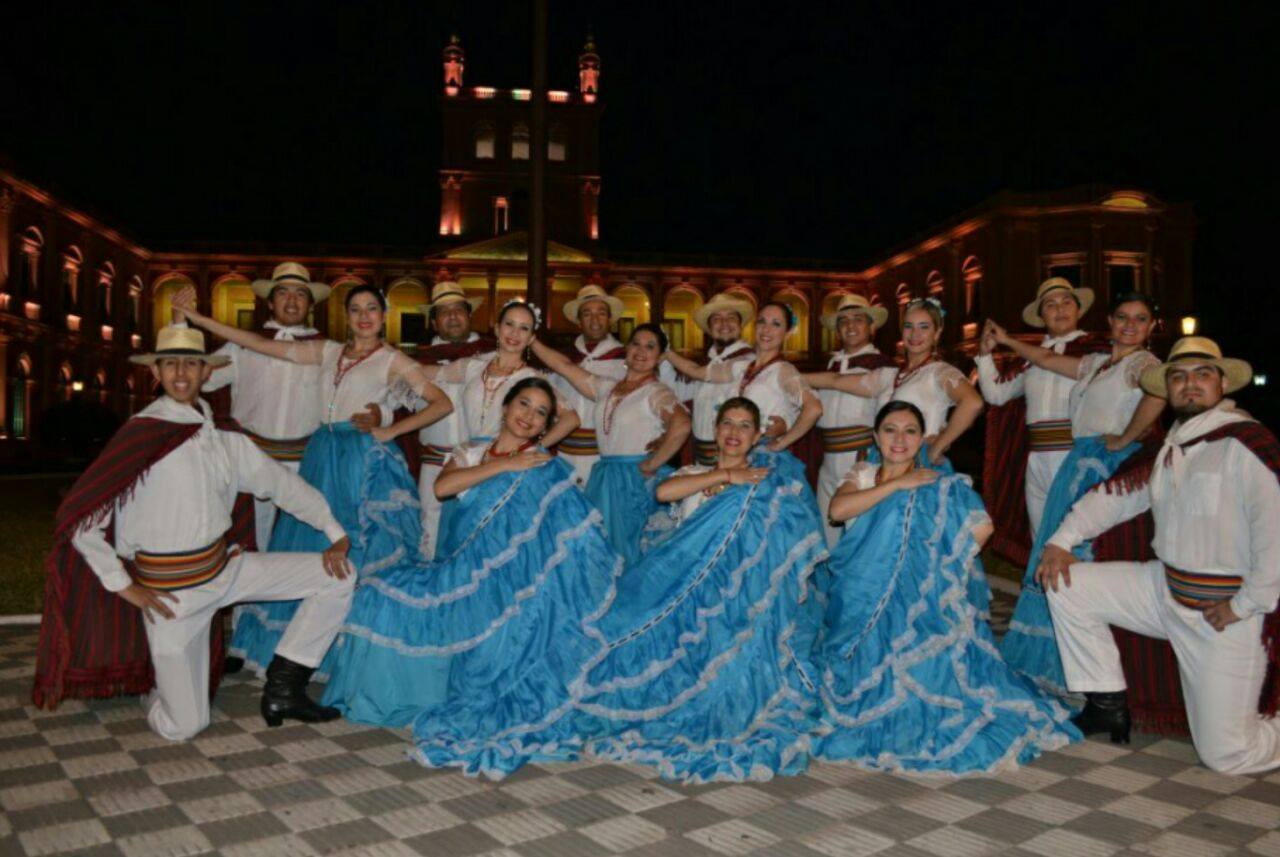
(76, 296)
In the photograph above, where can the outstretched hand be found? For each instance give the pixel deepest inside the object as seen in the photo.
(183, 303)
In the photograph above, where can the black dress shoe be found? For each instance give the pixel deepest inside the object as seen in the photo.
(1105, 712)
(285, 695)
(232, 665)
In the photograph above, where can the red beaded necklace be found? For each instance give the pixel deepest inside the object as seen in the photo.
(345, 368)
(753, 372)
(492, 451)
(902, 377)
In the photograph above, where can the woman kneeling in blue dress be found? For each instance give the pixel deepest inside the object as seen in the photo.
(701, 666)
(532, 563)
(912, 677)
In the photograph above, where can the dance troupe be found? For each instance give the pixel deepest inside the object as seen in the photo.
(546, 587)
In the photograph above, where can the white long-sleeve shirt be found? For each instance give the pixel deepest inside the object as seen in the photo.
(1216, 508)
(842, 409)
(184, 502)
(273, 398)
(614, 368)
(1048, 394)
(706, 396)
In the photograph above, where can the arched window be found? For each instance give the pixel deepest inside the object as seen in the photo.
(635, 303)
(29, 264)
(100, 386)
(65, 382)
(233, 301)
(677, 318)
(971, 272)
(485, 142)
(72, 260)
(935, 285)
(20, 398)
(135, 305)
(557, 142)
(406, 322)
(520, 142)
(336, 306)
(797, 341)
(162, 298)
(830, 338)
(106, 282)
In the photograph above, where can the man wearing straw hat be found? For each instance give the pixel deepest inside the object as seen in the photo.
(594, 311)
(449, 315)
(722, 319)
(1036, 437)
(845, 424)
(1213, 489)
(276, 402)
(149, 521)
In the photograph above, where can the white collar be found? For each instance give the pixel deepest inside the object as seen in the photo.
(438, 340)
(1050, 341)
(172, 411)
(602, 347)
(292, 331)
(715, 352)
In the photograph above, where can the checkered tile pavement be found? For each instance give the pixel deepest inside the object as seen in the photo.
(90, 778)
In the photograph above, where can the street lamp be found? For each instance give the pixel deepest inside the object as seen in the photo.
(1189, 325)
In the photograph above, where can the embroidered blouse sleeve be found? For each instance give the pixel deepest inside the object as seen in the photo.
(1088, 365)
(724, 373)
(405, 371)
(792, 384)
(947, 377)
(456, 372)
(1139, 363)
(861, 475)
(663, 401)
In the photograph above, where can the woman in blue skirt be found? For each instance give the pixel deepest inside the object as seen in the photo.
(701, 664)
(366, 483)
(533, 562)
(1109, 413)
(640, 425)
(912, 679)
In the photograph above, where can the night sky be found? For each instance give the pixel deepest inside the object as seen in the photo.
(795, 130)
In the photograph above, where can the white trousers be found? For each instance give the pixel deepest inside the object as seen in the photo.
(1221, 673)
(264, 513)
(581, 465)
(178, 708)
(1042, 467)
(427, 476)
(834, 468)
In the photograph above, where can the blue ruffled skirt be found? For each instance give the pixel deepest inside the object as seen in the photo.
(369, 490)
(912, 679)
(625, 497)
(478, 622)
(1029, 645)
(701, 665)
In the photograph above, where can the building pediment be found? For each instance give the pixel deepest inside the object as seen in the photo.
(513, 247)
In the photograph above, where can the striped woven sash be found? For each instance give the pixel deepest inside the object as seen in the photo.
(1050, 436)
(181, 570)
(705, 451)
(434, 455)
(846, 438)
(581, 441)
(1199, 590)
(280, 450)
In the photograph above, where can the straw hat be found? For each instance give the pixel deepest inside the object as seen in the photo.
(290, 273)
(592, 292)
(723, 301)
(1031, 313)
(878, 314)
(173, 341)
(1199, 349)
(447, 292)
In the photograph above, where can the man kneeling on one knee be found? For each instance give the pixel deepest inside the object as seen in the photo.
(171, 532)
(1214, 492)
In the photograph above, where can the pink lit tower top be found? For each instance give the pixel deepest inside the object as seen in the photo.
(484, 169)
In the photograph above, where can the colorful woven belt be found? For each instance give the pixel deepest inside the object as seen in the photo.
(184, 570)
(433, 454)
(1199, 590)
(1050, 436)
(280, 450)
(705, 452)
(581, 441)
(846, 438)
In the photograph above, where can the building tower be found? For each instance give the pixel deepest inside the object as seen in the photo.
(484, 169)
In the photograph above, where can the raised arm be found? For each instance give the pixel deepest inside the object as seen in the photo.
(567, 420)
(968, 407)
(680, 486)
(1091, 516)
(409, 373)
(861, 384)
(582, 380)
(455, 478)
(850, 501)
(309, 352)
(677, 425)
(1045, 358)
(686, 366)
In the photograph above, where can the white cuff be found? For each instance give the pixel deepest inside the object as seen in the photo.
(334, 532)
(1242, 605)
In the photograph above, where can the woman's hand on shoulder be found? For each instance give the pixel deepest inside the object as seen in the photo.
(746, 475)
(917, 477)
(526, 460)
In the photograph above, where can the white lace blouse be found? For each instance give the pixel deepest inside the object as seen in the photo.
(929, 389)
(480, 399)
(627, 426)
(778, 390)
(347, 387)
(1104, 397)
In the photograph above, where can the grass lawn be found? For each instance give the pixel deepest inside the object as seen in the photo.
(27, 506)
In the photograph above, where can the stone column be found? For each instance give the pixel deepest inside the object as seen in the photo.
(8, 200)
